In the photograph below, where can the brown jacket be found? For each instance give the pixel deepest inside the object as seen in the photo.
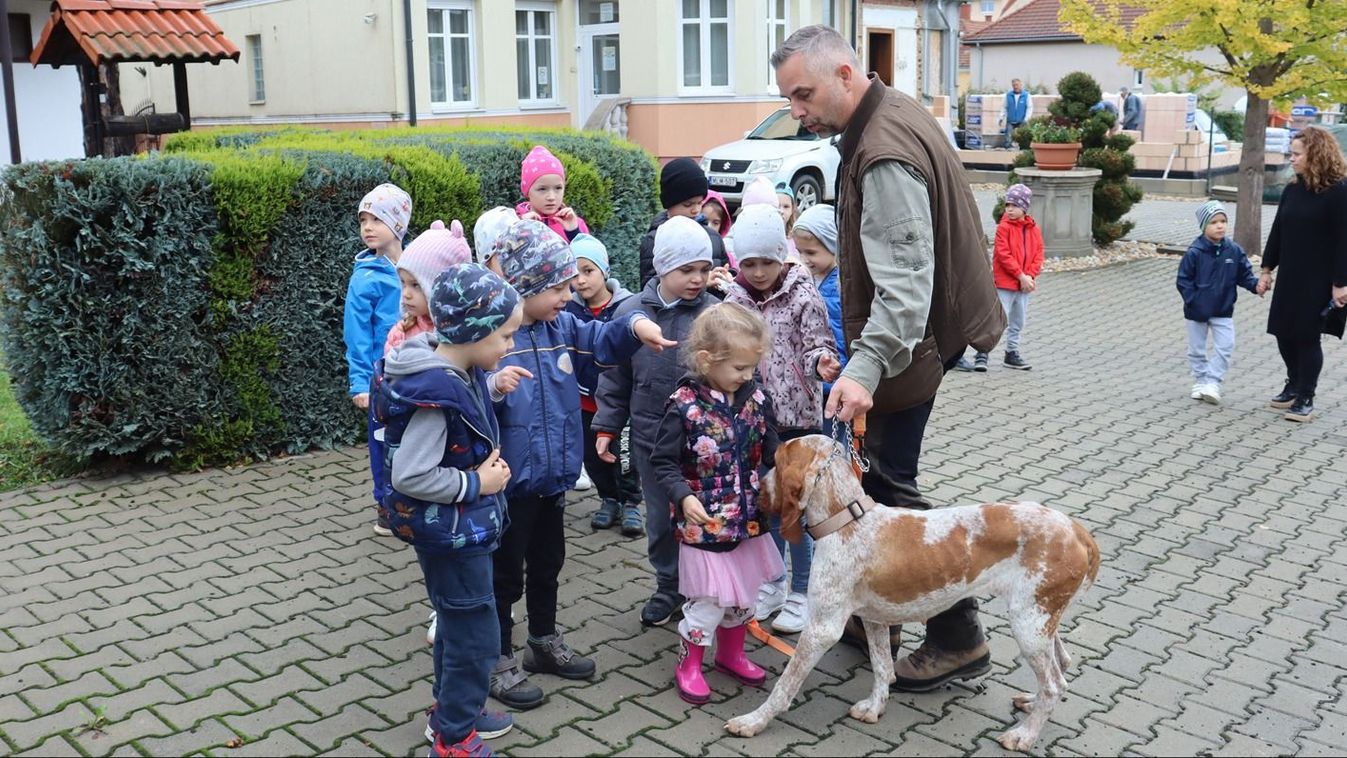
(891, 126)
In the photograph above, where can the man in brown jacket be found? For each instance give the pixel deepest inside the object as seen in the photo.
(916, 290)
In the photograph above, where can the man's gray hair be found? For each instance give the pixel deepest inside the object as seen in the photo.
(823, 47)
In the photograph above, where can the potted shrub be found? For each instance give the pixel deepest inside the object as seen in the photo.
(1055, 146)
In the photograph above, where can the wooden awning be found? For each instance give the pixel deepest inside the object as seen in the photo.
(124, 31)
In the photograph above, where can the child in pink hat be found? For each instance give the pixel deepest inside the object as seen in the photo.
(542, 182)
(435, 250)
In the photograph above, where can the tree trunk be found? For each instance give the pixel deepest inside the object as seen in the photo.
(1249, 200)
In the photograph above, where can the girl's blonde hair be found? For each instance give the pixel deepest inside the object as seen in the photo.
(1324, 164)
(722, 329)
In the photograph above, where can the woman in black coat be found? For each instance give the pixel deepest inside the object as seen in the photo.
(1309, 243)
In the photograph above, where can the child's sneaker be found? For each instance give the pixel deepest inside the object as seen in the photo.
(980, 363)
(963, 365)
(1016, 361)
(633, 523)
(551, 655)
(511, 686)
(471, 747)
(381, 525)
(793, 615)
(1197, 391)
(1211, 393)
(490, 724)
(771, 598)
(584, 482)
(606, 515)
(430, 629)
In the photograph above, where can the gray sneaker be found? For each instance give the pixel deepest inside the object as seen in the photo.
(551, 655)
(512, 687)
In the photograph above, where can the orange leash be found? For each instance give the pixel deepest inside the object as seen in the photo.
(765, 637)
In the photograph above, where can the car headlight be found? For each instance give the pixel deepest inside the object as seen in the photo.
(763, 166)
(706, 165)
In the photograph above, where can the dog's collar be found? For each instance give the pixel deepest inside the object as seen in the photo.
(853, 512)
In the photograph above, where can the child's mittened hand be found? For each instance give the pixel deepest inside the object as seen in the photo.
(601, 445)
(694, 512)
(648, 332)
(361, 400)
(569, 221)
(829, 368)
(507, 379)
(492, 474)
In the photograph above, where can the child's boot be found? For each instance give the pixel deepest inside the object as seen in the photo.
(688, 676)
(551, 655)
(730, 657)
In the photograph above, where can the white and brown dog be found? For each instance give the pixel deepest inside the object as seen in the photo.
(895, 565)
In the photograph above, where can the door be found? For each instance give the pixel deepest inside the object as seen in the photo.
(600, 55)
(879, 53)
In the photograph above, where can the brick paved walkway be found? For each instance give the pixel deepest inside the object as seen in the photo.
(171, 614)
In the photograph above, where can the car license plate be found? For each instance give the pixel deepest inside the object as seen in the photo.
(723, 181)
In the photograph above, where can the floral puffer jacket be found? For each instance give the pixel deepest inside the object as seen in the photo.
(716, 448)
(800, 337)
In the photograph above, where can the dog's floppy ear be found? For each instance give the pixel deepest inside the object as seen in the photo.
(789, 487)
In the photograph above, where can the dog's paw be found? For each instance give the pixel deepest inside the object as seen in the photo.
(1023, 702)
(746, 726)
(1019, 739)
(868, 710)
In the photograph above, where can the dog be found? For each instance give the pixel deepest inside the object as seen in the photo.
(895, 565)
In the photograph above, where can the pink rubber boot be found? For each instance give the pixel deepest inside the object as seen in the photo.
(730, 656)
(688, 676)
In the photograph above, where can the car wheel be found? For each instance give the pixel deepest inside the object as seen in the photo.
(807, 191)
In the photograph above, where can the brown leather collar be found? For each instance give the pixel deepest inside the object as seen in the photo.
(853, 512)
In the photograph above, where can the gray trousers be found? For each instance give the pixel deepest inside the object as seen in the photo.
(661, 547)
(1210, 370)
(1016, 305)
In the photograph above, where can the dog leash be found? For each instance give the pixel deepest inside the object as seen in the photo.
(859, 465)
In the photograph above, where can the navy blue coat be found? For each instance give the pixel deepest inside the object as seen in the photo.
(1208, 276)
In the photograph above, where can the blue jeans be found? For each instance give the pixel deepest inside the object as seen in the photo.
(467, 638)
(1210, 371)
(376, 458)
(1016, 306)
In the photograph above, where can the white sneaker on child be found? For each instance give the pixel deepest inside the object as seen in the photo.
(771, 598)
(430, 630)
(793, 615)
(1211, 393)
(1197, 391)
(584, 482)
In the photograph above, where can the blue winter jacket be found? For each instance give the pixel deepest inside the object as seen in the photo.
(373, 306)
(474, 522)
(1208, 276)
(577, 307)
(832, 298)
(541, 436)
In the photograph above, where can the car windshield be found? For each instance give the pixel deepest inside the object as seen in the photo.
(780, 125)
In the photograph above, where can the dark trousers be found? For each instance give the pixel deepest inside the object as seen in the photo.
(376, 458)
(528, 563)
(893, 444)
(1304, 359)
(466, 638)
(609, 479)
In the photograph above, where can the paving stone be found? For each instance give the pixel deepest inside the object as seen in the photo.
(32, 732)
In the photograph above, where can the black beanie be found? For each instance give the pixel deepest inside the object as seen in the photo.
(681, 179)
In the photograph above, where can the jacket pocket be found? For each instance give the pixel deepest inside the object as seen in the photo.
(915, 385)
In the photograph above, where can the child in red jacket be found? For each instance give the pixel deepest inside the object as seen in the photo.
(1016, 263)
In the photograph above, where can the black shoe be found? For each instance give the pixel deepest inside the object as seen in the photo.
(606, 515)
(1286, 399)
(381, 526)
(980, 363)
(551, 655)
(1302, 410)
(1016, 361)
(963, 365)
(660, 608)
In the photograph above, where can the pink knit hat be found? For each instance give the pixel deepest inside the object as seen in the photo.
(433, 251)
(760, 191)
(538, 163)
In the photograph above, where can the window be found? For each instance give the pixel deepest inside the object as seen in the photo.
(259, 80)
(704, 44)
(830, 13)
(20, 36)
(535, 51)
(778, 25)
(1138, 78)
(452, 58)
(988, 7)
(599, 12)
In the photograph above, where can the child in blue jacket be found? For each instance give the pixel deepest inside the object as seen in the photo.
(542, 441)
(373, 306)
(1209, 273)
(815, 235)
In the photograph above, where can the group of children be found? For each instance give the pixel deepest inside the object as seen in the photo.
(490, 383)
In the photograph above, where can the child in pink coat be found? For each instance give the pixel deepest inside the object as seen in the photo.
(435, 250)
(542, 181)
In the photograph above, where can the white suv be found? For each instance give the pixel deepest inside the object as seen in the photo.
(781, 150)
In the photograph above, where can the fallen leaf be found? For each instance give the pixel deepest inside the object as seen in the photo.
(236, 742)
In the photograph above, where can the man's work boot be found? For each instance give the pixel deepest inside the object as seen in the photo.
(854, 634)
(929, 668)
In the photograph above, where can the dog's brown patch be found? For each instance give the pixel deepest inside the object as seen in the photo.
(786, 486)
(1073, 562)
(910, 569)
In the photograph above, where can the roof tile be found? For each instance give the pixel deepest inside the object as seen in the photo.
(1036, 22)
(97, 31)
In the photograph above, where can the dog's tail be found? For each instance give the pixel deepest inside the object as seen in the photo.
(1091, 549)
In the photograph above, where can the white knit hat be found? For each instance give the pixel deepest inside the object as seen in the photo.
(760, 233)
(489, 227)
(680, 241)
(760, 191)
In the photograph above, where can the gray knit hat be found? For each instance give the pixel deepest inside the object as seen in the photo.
(821, 222)
(680, 241)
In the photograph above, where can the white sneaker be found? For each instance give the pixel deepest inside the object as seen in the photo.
(771, 598)
(1197, 391)
(1211, 393)
(430, 630)
(793, 615)
(584, 482)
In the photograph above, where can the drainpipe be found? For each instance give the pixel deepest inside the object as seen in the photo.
(951, 67)
(411, 64)
(855, 43)
(7, 64)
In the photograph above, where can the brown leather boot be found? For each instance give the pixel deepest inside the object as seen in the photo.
(854, 634)
(929, 668)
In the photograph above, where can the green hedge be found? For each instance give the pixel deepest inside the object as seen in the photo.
(188, 306)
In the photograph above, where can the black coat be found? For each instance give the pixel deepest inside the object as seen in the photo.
(1309, 244)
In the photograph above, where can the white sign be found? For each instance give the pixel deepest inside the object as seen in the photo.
(542, 75)
(606, 13)
(609, 58)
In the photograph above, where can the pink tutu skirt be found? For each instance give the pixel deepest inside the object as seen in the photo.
(733, 577)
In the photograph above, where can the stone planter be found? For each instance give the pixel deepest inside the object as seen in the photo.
(1063, 206)
(1052, 156)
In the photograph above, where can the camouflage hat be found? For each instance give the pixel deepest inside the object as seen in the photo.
(469, 302)
(534, 257)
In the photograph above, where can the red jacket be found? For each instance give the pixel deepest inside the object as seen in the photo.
(1019, 249)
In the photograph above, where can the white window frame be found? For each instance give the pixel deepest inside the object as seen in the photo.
(1138, 78)
(257, 88)
(443, 7)
(538, 6)
(988, 11)
(704, 21)
(772, 24)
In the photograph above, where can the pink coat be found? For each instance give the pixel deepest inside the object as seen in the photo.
(552, 222)
(800, 337)
(397, 335)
